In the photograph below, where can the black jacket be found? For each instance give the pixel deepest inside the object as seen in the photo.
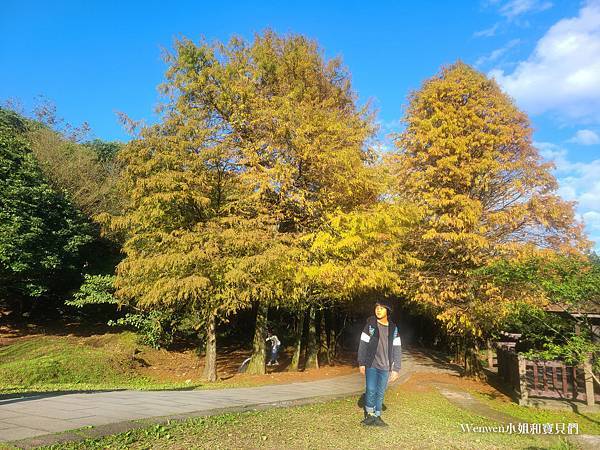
(369, 339)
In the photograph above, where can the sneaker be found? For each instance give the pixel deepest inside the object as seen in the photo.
(378, 422)
(369, 420)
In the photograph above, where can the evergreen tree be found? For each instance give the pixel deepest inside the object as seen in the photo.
(41, 234)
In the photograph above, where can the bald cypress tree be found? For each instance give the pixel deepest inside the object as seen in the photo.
(466, 159)
(286, 119)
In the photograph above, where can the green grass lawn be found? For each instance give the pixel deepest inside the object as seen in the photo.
(416, 420)
(589, 423)
(56, 363)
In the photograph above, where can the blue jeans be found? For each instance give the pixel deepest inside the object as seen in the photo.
(376, 383)
(274, 353)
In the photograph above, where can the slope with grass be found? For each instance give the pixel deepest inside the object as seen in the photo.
(53, 363)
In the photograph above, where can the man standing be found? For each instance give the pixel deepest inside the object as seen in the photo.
(379, 353)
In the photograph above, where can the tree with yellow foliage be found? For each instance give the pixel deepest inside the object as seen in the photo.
(258, 142)
(289, 122)
(466, 159)
(172, 253)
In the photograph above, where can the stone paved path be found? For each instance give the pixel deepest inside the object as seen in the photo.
(33, 416)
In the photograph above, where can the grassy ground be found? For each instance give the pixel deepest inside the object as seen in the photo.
(419, 418)
(588, 423)
(53, 363)
(48, 363)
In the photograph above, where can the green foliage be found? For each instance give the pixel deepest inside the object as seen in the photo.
(41, 234)
(570, 280)
(549, 336)
(155, 328)
(575, 350)
(105, 151)
(85, 176)
(95, 290)
(574, 281)
(537, 327)
(11, 121)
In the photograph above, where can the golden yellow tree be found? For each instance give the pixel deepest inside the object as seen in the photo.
(172, 223)
(467, 160)
(288, 121)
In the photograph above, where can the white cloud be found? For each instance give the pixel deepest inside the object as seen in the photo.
(578, 182)
(585, 137)
(512, 10)
(592, 220)
(562, 75)
(554, 153)
(488, 32)
(496, 54)
(390, 126)
(515, 8)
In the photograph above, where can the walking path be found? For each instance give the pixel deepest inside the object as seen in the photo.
(34, 417)
(39, 415)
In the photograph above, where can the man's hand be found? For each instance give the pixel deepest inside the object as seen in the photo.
(393, 376)
(362, 370)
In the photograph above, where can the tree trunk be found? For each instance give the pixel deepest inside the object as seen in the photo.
(210, 358)
(473, 367)
(326, 335)
(312, 351)
(295, 364)
(490, 354)
(458, 350)
(256, 366)
(333, 335)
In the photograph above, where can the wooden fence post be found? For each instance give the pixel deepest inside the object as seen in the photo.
(589, 381)
(523, 393)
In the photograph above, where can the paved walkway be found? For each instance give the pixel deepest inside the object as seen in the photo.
(39, 415)
(33, 416)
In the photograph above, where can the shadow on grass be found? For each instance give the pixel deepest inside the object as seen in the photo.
(361, 403)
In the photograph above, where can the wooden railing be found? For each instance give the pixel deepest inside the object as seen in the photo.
(547, 379)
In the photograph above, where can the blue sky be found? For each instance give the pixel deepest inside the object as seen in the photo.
(93, 58)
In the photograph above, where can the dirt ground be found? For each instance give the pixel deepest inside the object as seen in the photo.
(181, 366)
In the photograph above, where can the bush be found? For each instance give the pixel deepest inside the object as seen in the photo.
(156, 328)
(95, 290)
